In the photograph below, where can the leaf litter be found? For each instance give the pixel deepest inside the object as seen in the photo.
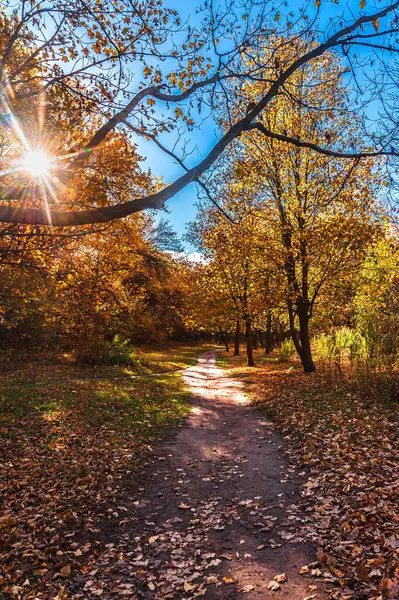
(348, 450)
(170, 536)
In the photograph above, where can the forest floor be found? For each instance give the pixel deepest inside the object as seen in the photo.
(38, 368)
(69, 435)
(343, 432)
(224, 507)
(209, 511)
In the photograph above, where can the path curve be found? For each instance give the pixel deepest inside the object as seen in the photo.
(213, 512)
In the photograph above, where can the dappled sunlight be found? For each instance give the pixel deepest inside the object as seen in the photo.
(75, 436)
(221, 502)
(53, 416)
(186, 191)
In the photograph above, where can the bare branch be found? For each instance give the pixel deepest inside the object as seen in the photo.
(303, 144)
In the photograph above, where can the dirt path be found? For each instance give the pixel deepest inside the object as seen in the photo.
(215, 511)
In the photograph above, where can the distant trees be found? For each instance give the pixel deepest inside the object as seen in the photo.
(232, 271)
(78, 293)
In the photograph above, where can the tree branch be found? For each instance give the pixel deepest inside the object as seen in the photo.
(157, 200)
(302, 144)
(183, 166)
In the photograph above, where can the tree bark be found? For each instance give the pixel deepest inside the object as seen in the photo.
(237, 339)
(306, 358)
(302, 341)
(224, 336)
(250, 353)
(268, 334)
(255, 339)
(293, 331)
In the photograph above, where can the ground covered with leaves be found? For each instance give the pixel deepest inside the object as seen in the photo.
(348, 445)
(69, 439)
(210, 513)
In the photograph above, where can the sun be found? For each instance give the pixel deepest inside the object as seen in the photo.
(37, 163)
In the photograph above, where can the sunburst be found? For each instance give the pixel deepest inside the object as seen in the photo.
(36, 160)
(37, 163)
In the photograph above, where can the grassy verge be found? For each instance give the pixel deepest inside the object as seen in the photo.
(43, 368)
(237, 365)
(66, 448)
(349, 446)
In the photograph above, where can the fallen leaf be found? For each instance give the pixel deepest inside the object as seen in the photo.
(153, 539)
(273, 586)
(316, 573)
(189, 587)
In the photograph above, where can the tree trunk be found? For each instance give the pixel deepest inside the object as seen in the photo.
(237, 339)
(302, 341)
(306, 358)
(255, 339)
(293, 331)
(268, 334)
(261, 339)
(250, 353)
(224, 337)
(226, 342)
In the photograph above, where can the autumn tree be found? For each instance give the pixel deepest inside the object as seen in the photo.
(79, 288)
(210, 308)
(83, 291)
(376, 297)
(236, 265)
(318, 213)
(85, 53)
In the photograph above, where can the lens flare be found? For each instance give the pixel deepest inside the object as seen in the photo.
(37, 163)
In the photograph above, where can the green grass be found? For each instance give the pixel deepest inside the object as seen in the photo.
(68, 447)
(237, 365)
(41, 392)
(174, 356)
(138, 410)
(44, 368)
(222, 360)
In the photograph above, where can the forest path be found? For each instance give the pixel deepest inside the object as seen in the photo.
(214, 510)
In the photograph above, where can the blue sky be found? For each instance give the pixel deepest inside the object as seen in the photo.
(182, 206)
